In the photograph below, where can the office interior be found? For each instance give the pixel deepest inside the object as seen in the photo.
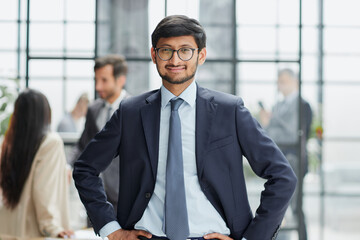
(50, 45)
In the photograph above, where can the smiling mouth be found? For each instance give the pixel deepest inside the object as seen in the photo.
(175, 68)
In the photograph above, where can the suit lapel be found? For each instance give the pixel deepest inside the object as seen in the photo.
(150, 116)
(205, 113)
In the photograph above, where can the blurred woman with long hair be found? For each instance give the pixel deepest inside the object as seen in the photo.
(33, 180)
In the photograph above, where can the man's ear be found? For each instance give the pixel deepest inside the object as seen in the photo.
(121, 80)
(153, 55)
(202, 56)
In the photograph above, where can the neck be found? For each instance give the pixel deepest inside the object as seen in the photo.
(113, 98)
(177, 89)
(289, 93)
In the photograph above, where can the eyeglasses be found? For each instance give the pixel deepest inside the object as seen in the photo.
(184, 54)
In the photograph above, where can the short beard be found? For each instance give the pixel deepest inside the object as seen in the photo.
(110, 95)
(181, 81)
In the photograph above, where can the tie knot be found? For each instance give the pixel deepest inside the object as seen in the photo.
(175, 103)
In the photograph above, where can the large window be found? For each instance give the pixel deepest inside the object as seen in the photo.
(341, 85)
(56, 53)
(60, 51)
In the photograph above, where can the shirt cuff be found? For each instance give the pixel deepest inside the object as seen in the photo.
(109, 228)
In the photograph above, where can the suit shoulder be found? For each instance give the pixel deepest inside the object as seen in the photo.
(138, 100)
(221, 97)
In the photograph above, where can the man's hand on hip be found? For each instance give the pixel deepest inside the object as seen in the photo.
(122, 234)
(217, 236)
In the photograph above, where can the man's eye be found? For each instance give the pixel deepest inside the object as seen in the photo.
(166, 50)
(185, 50)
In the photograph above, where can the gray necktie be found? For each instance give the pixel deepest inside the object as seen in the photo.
(109, 113)
(176, 219)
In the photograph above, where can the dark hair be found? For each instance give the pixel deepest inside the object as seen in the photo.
(28, 125)
(117, 61)
(179, 25)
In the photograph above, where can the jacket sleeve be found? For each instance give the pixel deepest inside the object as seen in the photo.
(267, 161)
(50, 187)
(97, 155)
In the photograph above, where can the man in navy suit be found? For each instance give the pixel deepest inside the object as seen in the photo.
(217, 131)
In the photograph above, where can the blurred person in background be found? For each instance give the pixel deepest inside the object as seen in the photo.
(110, 78)
(33, 175)
(282, 125)
(72, 121)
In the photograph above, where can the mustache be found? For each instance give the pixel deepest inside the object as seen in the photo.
(172, 65)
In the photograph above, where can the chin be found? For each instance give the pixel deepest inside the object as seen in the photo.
(179, 80)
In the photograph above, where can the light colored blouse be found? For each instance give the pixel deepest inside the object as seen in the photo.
(43, 206)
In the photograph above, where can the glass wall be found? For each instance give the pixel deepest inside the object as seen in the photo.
(60, 51)
(57, 50)
(340, 117)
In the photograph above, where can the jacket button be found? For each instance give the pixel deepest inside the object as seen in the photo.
(148, 195)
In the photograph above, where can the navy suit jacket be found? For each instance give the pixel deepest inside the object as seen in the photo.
(225, 132)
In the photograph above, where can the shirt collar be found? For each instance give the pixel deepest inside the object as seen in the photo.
(188, 95)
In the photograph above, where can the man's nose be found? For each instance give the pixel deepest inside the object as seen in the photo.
(98, 86)
(175, 60)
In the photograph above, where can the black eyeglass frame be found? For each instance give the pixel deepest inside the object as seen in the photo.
(177, 51)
